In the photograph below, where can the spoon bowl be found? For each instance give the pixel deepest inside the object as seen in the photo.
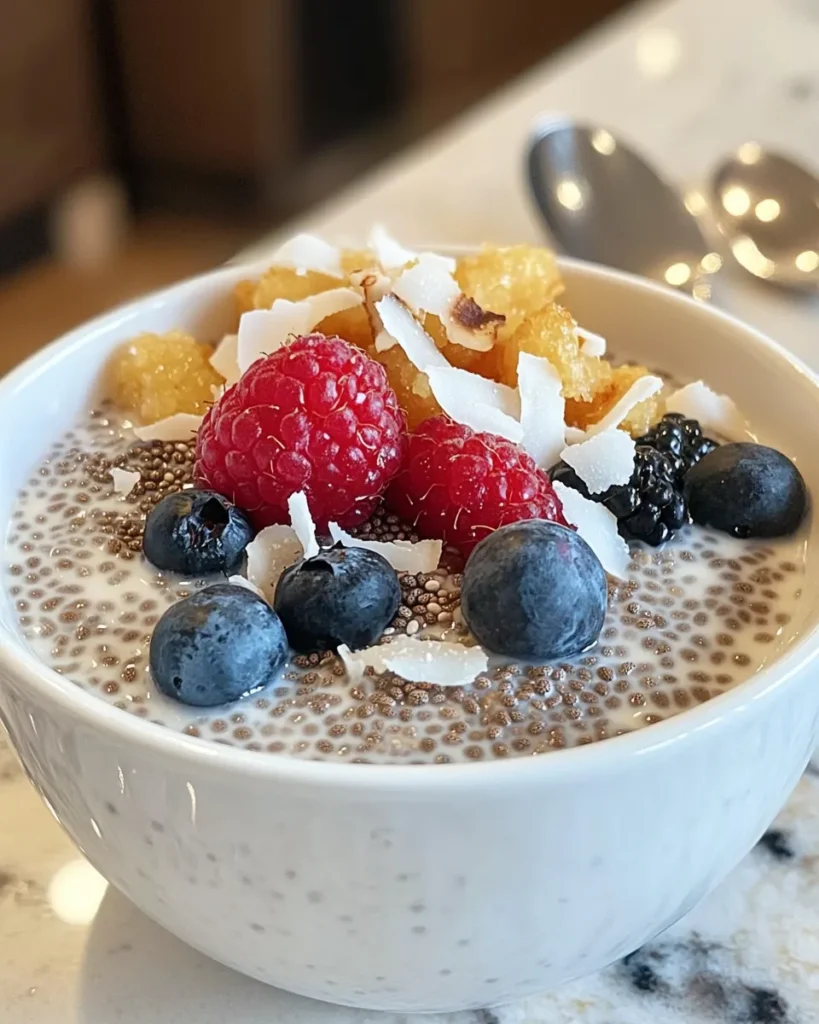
(767, 207)
(603, 203)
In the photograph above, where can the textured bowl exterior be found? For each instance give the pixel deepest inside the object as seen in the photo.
(409, 888)
(417, 900)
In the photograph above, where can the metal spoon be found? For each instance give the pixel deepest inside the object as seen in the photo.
(602, 202)
(767, 206)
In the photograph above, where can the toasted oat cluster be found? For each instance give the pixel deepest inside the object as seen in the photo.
(521, 284)
(157, 375)
(509, 294)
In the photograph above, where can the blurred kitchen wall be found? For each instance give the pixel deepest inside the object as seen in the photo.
(242, 109)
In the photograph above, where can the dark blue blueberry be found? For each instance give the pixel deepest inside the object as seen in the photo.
(195, 533)
(342, 596)
(746, 490)
(217, 645)
(534, 591)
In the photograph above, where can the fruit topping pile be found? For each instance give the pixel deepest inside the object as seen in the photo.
(459, 398)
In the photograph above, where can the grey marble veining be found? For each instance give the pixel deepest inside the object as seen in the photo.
(748, 955)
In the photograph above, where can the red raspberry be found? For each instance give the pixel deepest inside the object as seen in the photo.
(318, 416)
(459, 486)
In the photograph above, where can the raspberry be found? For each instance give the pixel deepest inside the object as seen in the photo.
(318, 416)
(458, 485)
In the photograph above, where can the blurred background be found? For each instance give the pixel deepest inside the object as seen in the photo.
(145, 140)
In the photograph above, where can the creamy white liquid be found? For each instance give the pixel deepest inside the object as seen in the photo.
(697, 617)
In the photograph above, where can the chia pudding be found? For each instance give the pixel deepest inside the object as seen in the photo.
(689, 618)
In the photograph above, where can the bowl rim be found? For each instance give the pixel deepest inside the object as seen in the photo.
(570, 764)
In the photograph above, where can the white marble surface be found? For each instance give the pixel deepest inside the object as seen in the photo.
(686, 81)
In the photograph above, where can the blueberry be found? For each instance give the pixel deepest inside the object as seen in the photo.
(341, 596)
(217, 645)
(196, 532)
(746, 490)
(534, 591)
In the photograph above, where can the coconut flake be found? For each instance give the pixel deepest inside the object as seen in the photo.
(542, 409)
(604, 460)
(264, 331)
(476, 402)
(429, 287)
(574, 435)
(306, 252)
(401, 325)
(715, 412)
(274, 549)
(640, 390)
(403, 555)
(591, 344)
(355, 662)
(179, 427)
(598, 528)
(390, 254)
(302, 523)
(438, 662)
(240, 581)
(328, 303)
(125, 480)
(225, 360)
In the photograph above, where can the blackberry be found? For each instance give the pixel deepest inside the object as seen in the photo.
(681, 441)
(650, 507)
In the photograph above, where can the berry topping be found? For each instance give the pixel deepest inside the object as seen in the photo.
(747, 490)
(534, 591)
(341, 596)
(220, 644)
(681, 440)
(316, 416)
(195, 533)
(650, 507)
(459, 485)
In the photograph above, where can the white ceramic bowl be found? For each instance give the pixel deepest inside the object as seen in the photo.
(420, 888)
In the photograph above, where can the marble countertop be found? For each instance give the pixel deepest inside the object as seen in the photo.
(686, 81)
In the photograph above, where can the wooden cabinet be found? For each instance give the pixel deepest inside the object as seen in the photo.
(272, 103)
(208, 84)
(293, 97)
(459, 50)
(49, 124)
